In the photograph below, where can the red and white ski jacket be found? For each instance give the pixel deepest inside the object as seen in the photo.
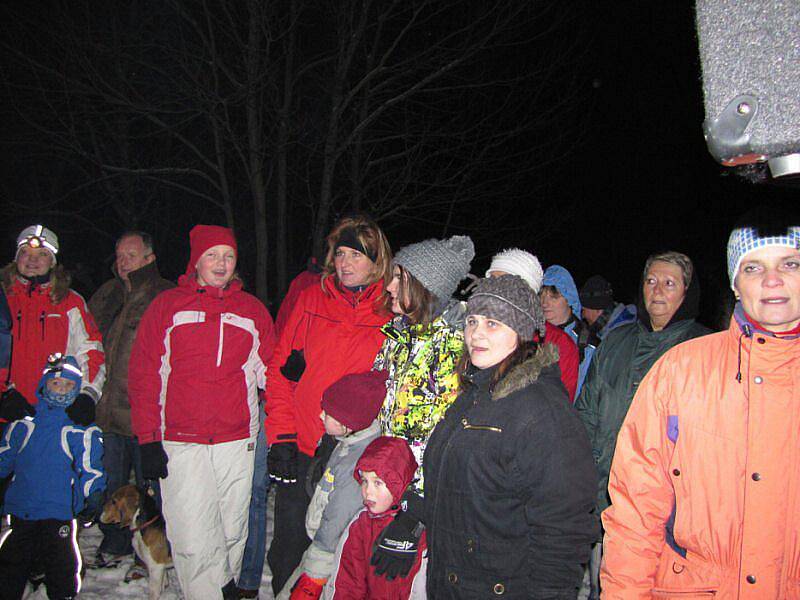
(41, 327)
(199, 357)
(339, 334)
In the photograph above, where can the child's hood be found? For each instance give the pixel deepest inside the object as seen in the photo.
(65, 367)
(391, 460)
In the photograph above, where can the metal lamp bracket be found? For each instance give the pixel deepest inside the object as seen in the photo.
(726, 135)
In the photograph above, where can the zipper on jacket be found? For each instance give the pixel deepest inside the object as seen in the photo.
(467, 425)
(41, 321)
(221, 332)
(19, 324)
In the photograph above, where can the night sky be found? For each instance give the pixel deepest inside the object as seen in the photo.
(637, 180)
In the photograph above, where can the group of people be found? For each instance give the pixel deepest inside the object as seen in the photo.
(421, 445)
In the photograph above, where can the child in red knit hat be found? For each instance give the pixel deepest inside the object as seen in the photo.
(349, 409)
(384, 471)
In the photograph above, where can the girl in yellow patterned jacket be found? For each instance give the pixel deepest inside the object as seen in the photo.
(425, 340)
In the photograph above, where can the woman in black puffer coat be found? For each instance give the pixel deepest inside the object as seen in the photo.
(509, 475)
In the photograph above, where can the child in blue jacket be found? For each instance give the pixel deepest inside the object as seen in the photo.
(57, 468)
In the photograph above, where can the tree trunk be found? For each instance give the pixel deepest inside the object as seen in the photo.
(282, 151)
(256, 155)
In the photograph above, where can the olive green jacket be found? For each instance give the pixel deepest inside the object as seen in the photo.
(619, 365)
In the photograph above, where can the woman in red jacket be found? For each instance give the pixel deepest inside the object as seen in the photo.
(199, 358)
(332, 331)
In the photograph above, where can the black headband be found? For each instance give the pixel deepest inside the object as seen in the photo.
(349, 239)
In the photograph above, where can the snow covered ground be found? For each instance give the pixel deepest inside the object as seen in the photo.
(108, 584)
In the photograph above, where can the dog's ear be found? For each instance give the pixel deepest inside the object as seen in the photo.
(111, 513)
(128, 503)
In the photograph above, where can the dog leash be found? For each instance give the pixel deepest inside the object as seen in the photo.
(145, 524)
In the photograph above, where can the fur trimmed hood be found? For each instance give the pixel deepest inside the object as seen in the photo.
(527, 372)
(59, 281)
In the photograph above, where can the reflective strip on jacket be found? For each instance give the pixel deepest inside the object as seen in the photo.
(197, 364)
(705, 482)
(40, 328)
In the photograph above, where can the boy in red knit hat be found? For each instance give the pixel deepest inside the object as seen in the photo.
(384, 471)
(349, 409)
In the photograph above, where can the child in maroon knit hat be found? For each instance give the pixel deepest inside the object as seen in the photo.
(384, 471)
(349, 409)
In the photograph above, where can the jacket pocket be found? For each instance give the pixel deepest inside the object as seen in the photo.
(465, 423)
(688, 594)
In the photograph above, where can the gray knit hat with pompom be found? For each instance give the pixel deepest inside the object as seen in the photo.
(511, 301)
(439, 265)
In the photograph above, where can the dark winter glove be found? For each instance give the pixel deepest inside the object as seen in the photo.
(282, 462)
(395, 549)
(92, 508)
(14, 406)
(318, 464)
(82, 410)
(295, 366)
(154, 461)
(306, 588)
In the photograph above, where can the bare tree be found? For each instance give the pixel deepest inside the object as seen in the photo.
(280, 115)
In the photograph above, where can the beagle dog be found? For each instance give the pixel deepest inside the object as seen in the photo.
(130, 507)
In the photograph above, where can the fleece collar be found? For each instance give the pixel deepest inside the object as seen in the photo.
(527, 372)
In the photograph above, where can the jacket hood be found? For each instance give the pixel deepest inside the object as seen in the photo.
(689, 308)
(560, 278)
(58, 284)
(391, 460)
(524, 374)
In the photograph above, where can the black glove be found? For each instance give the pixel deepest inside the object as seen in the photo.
(295, 366)
(316, 468)
(395, 549)
(81, 411)
(14, 406)
(282, 462)
(154, 461)
(92, 508)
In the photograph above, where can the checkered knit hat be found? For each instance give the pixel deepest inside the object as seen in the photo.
(511, 301)
(439, 265)
(744, 240)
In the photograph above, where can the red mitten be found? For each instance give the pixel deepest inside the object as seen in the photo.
(307, 588)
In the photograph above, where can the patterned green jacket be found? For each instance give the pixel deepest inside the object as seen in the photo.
(423, 381)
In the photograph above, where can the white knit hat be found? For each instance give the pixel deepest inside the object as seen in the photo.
(518, 262)
(38, 236)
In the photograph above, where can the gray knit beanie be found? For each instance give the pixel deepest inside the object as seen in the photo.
(511, 301)
(439, 265)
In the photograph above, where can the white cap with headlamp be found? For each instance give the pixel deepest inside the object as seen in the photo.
(38, 236)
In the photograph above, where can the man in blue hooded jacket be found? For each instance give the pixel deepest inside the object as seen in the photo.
(561, 306)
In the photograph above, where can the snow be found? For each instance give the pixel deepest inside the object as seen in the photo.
(108, 584)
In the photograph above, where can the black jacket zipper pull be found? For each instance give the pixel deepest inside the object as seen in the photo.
(41, 320)
(19, 323)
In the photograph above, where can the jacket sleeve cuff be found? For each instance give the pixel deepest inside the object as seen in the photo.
(91, 392)
(146, 438)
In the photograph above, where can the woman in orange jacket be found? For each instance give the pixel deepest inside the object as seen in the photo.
(705, 482)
